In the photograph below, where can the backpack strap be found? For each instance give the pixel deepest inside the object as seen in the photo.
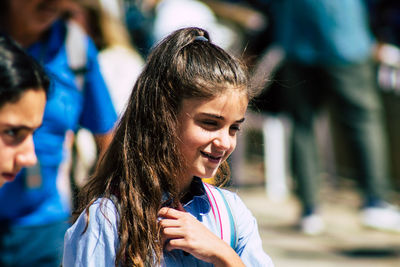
(76, 47)
(222, 213)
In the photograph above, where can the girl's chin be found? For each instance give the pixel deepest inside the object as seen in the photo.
(203, 172)
(207, 175)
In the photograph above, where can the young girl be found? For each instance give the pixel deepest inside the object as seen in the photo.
(146, 204)
(23, 89)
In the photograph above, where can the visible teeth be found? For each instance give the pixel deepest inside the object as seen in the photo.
(208, 155)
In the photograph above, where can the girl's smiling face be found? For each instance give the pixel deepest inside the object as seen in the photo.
(207, 131)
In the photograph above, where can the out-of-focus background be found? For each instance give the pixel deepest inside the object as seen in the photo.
(345, 34)
(344, 243)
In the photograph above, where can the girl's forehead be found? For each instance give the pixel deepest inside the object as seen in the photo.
(219, 90)
(230, 99)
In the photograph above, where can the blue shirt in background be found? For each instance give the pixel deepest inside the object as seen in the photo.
(322, 31)
(67, 108)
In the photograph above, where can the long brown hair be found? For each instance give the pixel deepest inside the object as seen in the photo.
(143, 162)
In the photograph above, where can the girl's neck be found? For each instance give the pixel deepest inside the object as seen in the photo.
(184, 185)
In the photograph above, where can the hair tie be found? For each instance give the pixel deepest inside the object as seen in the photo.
(201, 38)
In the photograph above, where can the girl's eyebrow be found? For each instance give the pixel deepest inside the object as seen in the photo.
(220, 117)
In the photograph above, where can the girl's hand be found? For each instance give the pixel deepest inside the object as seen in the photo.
(185, 232)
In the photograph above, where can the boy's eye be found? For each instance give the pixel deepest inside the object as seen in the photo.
(12, 132)
(15, 136)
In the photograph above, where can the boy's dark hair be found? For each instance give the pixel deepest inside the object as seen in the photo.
(18, 72)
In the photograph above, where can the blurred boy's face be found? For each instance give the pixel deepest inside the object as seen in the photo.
(17, 123)
(207, 132)
(33, 16)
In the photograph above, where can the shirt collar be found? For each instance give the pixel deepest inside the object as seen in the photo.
(197, 194)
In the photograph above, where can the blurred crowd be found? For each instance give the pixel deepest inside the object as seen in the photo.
(304, 56)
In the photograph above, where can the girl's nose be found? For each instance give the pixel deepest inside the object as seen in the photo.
(224, 140)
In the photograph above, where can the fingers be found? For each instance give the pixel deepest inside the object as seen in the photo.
(178, 243)
(168, 213)
(171, 228)
(176, 224)
(171, 213)
(183, 231)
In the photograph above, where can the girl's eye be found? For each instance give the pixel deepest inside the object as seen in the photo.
(210, 123)
(235, 128)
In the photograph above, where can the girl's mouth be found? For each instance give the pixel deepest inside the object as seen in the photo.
(211, 158)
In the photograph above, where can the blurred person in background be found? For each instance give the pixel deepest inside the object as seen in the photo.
(230, 22)
(149, 21)
(139, 19)
(36, 210)
(170, 15)
(120, 63)
(328, 56)
(385, 24)
(23, 90)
